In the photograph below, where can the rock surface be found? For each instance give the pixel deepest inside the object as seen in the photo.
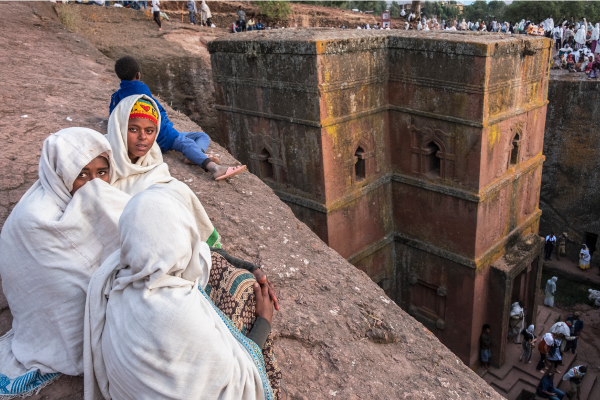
(337, 334)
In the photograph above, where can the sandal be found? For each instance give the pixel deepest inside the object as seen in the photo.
(231, 172)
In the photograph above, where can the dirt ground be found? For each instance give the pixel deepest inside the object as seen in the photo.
(337, 334)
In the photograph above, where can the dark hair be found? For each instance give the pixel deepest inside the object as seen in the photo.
(486, 326)
(126, 68)
(583, 369)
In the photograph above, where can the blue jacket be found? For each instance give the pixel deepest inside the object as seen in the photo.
(577, 325)
(167, 134)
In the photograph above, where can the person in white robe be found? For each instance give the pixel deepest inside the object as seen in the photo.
(580, 36)
(550, 291)
(517, 321)
(151, 332)
(57, 235)
(206, 15)
(584, 257)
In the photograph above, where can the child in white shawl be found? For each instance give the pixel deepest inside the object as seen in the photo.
(58, 234)
(138, 159)
(151, 331)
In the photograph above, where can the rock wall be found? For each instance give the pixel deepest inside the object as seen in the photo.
(337, 335)
(421, 152)
(570, 195)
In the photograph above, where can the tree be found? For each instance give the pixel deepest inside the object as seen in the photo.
(395, 9)
(275, 9)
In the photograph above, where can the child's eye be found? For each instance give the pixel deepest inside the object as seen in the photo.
(82, 175)
(102, 173)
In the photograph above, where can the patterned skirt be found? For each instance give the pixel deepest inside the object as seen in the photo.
(231, 290)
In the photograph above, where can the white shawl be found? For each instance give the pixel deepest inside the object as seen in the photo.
(596, 33)
(551, 285)
(581, 33)
(150, 331)
(149, 169)
(51, 244)
(584, 254)
(205, 9)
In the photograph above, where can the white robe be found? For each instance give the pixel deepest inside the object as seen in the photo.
(151, 332)
(550, 290)
(50, 246)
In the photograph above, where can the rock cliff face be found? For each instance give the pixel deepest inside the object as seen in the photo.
(570, 196)
(337, 335)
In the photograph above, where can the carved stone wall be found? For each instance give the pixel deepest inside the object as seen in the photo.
(416, 156)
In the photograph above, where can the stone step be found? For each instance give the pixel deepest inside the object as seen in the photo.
(504, 386)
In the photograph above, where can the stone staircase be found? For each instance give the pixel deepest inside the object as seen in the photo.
(518, 381)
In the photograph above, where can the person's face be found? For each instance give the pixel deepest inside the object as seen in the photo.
(97, 168)
(141, 134)
(488, 330)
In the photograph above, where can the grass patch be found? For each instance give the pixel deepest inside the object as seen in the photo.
(68, 15)
(568, 292)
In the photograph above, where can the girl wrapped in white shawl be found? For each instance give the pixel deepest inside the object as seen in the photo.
(55, 238)
(148, 169)
(150, 330)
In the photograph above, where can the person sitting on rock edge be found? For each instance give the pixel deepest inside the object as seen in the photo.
(192, 145)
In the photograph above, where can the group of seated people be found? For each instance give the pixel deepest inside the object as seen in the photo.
(251, 25)
(113, 269)
(580, 60)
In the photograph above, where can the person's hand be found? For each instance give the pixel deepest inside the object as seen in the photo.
(264, 304)
(261, 278)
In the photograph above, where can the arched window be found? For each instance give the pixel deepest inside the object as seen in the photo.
(359, 164)
(266, 167)
(432, 161)
(514, 153)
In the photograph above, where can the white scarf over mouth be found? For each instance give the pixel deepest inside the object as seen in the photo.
(150, 332)
(150, 169)
(50, 246)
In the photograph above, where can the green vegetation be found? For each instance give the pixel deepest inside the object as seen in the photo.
(68, 15)
(275, 9)
(448, 11)
(535, 10)
(568, 292)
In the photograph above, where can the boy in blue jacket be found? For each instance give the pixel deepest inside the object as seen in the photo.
(192, 145)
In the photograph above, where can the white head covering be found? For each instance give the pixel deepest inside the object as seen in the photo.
(530, 328)
(51, 244)
(596, 33)
(149, 169)
(147, 296)
(580, 36)
(554, 279)
(549, 339)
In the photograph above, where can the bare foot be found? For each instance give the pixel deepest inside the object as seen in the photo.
(213, 158)
(529, 362)
(218, 170)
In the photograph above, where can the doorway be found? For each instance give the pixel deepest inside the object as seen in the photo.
(590, 240)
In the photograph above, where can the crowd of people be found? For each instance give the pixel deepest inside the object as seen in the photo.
(113, 269)
(562, 337)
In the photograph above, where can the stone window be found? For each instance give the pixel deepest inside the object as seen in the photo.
(429, 300)
(359, 165)
(266, 165)
(433, 162)
(514, 152)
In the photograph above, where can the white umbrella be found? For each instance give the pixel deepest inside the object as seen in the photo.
(561, 327)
